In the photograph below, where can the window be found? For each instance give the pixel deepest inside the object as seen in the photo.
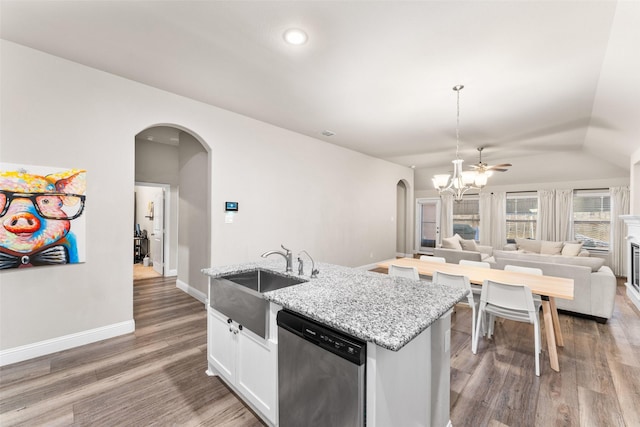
(592, 218)
(466, 218)
(521, 216)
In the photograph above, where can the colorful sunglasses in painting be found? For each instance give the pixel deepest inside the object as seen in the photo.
(35, 217)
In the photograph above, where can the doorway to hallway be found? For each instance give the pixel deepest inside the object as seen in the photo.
(151, 241)
(177, 158)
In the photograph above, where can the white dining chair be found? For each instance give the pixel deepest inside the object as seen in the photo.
(432, 258)
(513, 302)
(479, 264)
(476, 289)
(461, 282)
(401, 271)
(537, 299)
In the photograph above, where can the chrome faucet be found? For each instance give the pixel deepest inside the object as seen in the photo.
(286, 255)
(314, 272)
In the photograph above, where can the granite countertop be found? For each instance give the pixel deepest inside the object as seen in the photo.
(374, 307)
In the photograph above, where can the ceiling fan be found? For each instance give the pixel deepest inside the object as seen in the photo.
(483, 167)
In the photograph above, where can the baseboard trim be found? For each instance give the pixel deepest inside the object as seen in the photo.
(199, 295)
(42, 348)
(171, 273)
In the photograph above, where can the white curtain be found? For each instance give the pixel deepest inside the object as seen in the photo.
(498, 219)
(563, 213)
(619, 206)
(446, 215)
(545, 229)
(485, 218)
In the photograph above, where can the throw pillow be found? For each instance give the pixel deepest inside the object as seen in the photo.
(452, 243)
(527, 245)
(469, 245)
(571, 249)
(551, 248)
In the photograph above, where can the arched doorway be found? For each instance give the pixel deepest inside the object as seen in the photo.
(403, 220)
(178, 159)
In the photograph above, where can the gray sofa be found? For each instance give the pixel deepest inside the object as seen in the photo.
(453, 249)
(453, 256)
(594, 283)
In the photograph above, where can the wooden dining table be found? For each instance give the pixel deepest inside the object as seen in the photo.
(548, 287)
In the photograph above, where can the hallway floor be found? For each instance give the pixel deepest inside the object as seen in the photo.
(142, 272)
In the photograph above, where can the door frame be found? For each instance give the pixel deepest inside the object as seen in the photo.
(166, 253)
(418, 227)
(403, 208)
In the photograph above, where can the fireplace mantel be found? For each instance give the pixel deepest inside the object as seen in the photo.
(633, 257)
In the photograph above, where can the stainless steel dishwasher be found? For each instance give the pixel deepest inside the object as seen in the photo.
(321, 374)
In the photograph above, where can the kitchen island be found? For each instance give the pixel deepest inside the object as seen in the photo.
(406, 326)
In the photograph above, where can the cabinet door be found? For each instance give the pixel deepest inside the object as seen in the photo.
(256, 372)
(221, 345)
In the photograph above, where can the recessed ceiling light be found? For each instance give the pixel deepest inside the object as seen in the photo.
(328, 133)
(295, 36)
(149, 138)
(412, 166)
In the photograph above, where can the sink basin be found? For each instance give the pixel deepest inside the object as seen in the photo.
(263, 281)
(239, 296)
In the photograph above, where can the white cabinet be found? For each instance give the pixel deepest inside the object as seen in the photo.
(221, 345)
(256, 373)
(246, 361)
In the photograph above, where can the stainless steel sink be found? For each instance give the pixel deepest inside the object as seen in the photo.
(263, 280)
(239, 296)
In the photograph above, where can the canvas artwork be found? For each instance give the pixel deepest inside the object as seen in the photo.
(42, 219)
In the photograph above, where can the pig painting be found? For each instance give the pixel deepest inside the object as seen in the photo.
(37, 213)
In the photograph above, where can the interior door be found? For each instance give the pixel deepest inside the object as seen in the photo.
(428, 224)
(157, 236)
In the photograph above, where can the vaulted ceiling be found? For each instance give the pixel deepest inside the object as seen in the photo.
(550, 86)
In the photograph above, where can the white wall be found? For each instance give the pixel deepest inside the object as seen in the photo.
(337, 204)
(292, 189)
(193, 212)
(157, 163)
(635, 183)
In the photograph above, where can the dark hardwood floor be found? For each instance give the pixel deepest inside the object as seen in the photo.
(598, 383)
(156, 376)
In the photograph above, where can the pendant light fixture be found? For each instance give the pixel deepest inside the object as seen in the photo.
(461, 181)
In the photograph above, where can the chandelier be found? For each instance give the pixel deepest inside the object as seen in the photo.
(461, 181)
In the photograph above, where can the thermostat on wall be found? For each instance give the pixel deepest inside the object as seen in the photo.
(231, 206)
